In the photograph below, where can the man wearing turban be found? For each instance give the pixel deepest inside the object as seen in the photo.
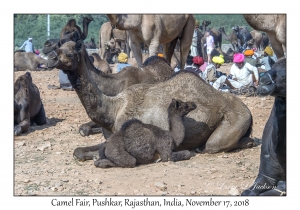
(249, 57)
(122, 58)
(267, 61)
(243, 74)
(210, 72)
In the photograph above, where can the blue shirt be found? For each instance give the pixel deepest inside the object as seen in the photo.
(121, 66)
(28, 46)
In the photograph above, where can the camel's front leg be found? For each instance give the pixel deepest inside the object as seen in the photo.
(24, 118)
(136, 48)
(89, 128)
(276, 45)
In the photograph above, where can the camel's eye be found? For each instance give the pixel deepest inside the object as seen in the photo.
(70, 55)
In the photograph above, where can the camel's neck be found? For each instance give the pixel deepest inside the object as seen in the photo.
(97, 105)
(224, 35)
(125, 22)
(85, 26)
(176, 128)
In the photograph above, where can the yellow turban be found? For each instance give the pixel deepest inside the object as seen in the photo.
(160, 55)
(218, 59)
(122, 58)
(269, 51)
(248, 52)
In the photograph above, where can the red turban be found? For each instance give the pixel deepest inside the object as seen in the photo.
(198, 60)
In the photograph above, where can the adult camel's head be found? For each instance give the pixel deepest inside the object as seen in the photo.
(273, 82)
(66, 57)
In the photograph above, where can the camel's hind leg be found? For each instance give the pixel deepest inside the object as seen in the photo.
(182, 155)
(227, 135)
(115, 152)
(86, 153)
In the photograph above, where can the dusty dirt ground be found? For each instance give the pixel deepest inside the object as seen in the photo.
(44, 164)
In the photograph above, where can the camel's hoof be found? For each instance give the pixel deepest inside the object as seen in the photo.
(84, 131)
(17, 130)
(78, 155)
(96, 157)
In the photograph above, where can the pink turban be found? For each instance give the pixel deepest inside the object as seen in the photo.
(238, 58)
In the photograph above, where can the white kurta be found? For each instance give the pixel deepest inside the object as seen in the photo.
(194, 51)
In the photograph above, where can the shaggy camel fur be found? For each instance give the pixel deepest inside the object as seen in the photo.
(221, 121)
(28, 106)
(275, 27)
(155, 29)
(136, 142)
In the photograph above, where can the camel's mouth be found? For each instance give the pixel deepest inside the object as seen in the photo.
(53, 60)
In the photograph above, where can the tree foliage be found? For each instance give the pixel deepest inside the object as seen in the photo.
(35, 25)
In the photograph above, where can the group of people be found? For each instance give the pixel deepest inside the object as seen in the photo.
(243, 73)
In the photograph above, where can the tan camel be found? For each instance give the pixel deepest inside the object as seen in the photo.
(101, 64)
(106, 33)
(257, 36)
(155, 29)
(275, 27)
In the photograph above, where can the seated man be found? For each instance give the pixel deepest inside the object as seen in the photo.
(210, 72)
(243, 74)
(249, 58)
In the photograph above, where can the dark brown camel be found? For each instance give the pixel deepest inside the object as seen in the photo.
(28, 107)
(243, 35)
(91, 44)
(222, 127)
(137, 142)
(271, 178)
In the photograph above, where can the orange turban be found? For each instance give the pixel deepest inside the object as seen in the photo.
(248, 52)
(160, 55)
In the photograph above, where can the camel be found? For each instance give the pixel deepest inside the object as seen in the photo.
(232, 38)
(275, 27)
(155, 29)
(106, 33)
(66, 34)
(101, 64)
(91, 44)
(221, 121)
(29, 61)
(156, 69)
(28, 106)
(243, 35)
(137, 142)
(271, 178)
(257, 36)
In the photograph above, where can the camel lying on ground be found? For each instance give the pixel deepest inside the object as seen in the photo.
(221, 121)
(275, 27)
(271, 179)
(91, 44)
(29, 61)
(28, 107)
(155, 29)
(137, 143)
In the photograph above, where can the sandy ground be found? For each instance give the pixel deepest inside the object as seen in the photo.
(44, 164)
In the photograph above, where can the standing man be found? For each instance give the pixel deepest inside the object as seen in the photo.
(210, 45)
(28, 45)
(196, 40)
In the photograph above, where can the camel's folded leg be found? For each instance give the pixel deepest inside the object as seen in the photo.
(89, 128)
(104, 163)
(40, 118)
(227, 135)
(86, 153)
(280, 190)
(182, 155)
